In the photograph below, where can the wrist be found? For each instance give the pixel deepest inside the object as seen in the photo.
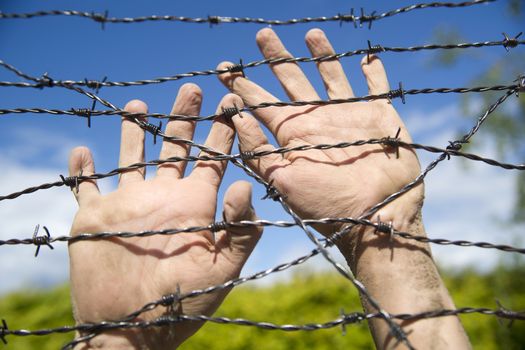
(402, 215)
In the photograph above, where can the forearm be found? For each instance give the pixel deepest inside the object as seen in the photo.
(401, 276)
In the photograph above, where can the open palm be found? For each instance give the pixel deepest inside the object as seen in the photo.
(334, 182)
(114, 277)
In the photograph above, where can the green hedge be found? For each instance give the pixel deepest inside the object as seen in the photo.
(305, 298)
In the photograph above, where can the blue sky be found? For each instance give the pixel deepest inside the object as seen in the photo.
(34, 149)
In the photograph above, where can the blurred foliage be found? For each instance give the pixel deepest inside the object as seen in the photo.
(446, 34)
(37, 309)
(506, 126)
(306, 298)
(516, 7)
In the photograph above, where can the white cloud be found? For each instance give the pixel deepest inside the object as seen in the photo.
(52, 208)
(464, 199)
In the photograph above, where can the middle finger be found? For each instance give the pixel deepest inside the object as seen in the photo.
(290, 74)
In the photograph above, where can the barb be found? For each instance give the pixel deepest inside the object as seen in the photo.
(41, 240)
(214, 20)
(506, 43)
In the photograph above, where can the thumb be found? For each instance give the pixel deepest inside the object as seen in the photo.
(239, 241)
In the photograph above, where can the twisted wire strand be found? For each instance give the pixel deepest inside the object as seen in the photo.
(396, 330)
(38, 83)
(343, 319)
(214, 20)
(82, 112)
(259, 223)
(386, 141)
(501, 102)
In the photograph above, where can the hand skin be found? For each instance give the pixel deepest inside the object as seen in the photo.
(111, 278)
(400, 275)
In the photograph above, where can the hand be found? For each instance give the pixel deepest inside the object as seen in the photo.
(335, 182)
(347, 182)
(111, 278)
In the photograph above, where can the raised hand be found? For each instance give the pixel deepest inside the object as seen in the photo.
(347, 182)
(334, 182)
(111, 278)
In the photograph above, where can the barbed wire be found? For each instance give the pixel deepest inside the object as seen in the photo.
(395, 329)
(341, 321)
(272, 193)
(46, 81)
(389, 141)
(357, 20)
(379, 227)
(395, 93)
(91, 330)
(358, 285)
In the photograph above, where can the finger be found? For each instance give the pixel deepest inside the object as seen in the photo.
(253, 139)
(188, 102)
(219, 139)
(252, 94)
(292, 78)
(81, 162)
(240, 240)
(375, 75)
(332, 73)
(132, 144)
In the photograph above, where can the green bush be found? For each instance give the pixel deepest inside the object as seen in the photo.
(306, 298)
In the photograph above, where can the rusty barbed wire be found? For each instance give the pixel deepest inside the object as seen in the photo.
(46, 81)
(357, 20)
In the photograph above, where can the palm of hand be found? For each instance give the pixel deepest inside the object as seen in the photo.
(352, 179)
(325, 183)
(112, 278)
(190, 259)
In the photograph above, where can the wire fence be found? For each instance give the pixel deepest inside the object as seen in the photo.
(47, 240)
